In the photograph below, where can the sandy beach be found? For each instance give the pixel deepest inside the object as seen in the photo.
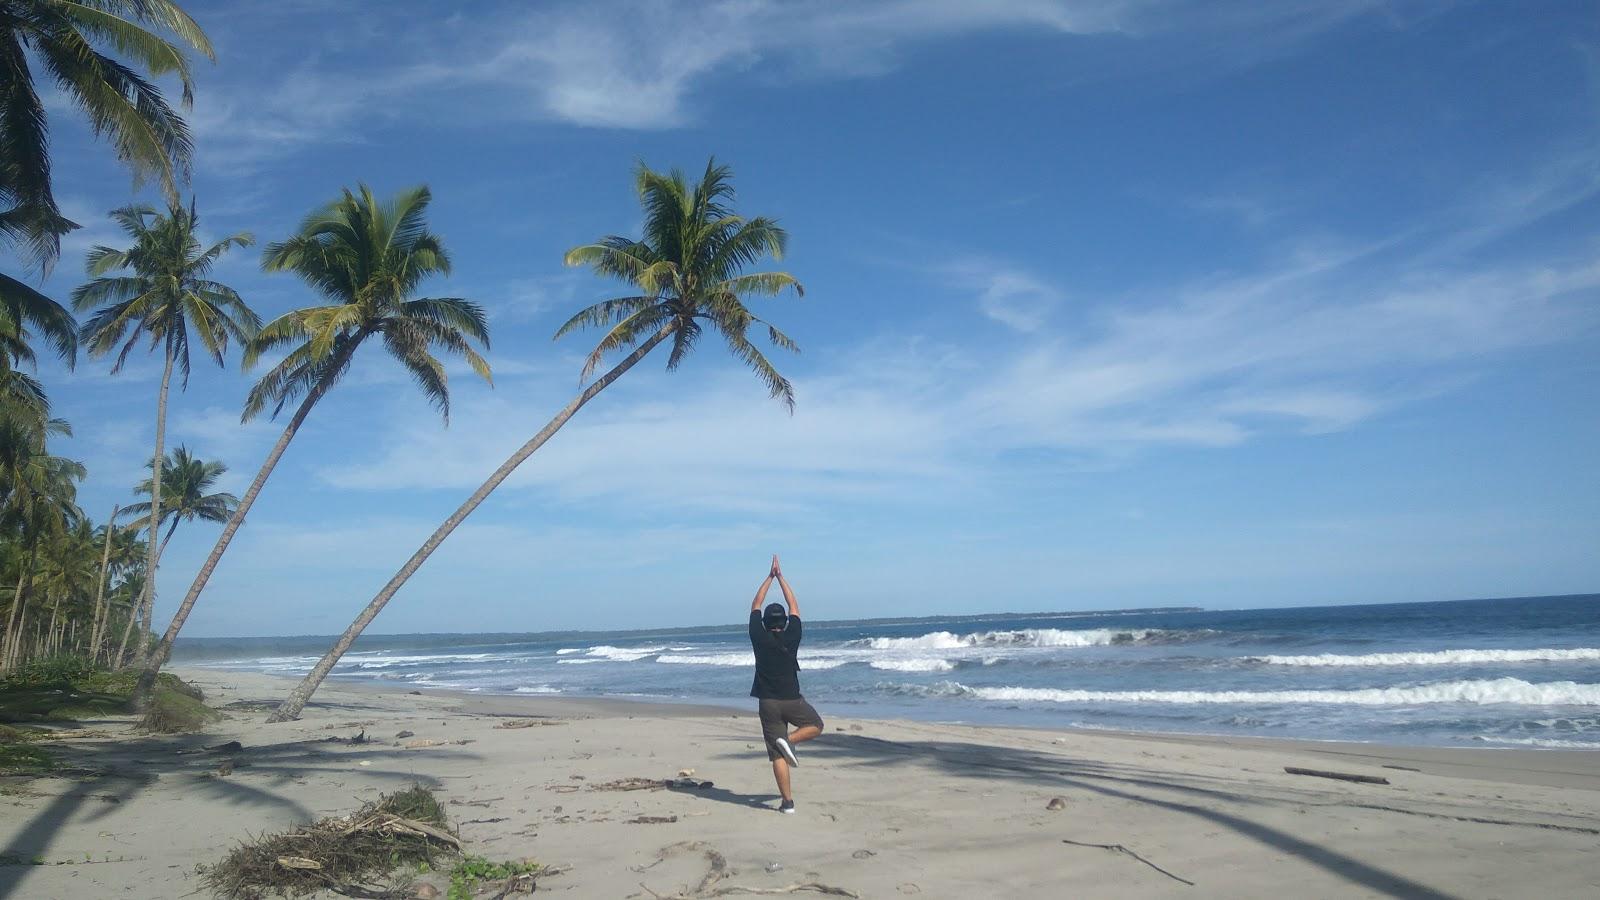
(886, 808)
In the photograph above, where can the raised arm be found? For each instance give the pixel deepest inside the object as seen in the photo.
(761, 595)
(788, 592)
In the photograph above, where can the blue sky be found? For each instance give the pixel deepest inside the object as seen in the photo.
(1115, 303)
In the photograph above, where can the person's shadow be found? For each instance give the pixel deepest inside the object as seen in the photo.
(722, 795)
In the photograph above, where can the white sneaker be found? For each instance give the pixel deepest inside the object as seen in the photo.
(786, 807)
(786, 750)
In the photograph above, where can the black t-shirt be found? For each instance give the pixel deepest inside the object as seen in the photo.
(777, 669)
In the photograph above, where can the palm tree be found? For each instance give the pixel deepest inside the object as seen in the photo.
(185, 484)
(119, 101)
(101, 620)
(39, 502)
(185, 481)
(686, 274)
(368, 258)
(167, 294)
(23, 311)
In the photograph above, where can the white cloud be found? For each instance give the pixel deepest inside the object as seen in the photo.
(1008, 295)
(1300, 349)
(638, 64)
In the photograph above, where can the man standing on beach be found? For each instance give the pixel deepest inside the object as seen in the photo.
(775, 635)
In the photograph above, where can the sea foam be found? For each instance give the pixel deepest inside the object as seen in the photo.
(1435, 658)
(1488, 691)
(1027, 637)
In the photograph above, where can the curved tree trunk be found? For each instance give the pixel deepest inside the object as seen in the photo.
(100, 610)
(296, 701)
(147, 677)
(156, 463)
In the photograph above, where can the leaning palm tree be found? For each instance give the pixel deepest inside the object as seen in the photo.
(167, 294)
(186, 483)
(368, 259)
(686, 274)
(65, 38)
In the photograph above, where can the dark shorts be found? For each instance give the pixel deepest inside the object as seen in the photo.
(778, 715)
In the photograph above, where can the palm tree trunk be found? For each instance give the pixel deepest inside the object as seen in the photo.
(116, 662)
(100, 610)
(50, 630)
(19, 608)
(155, 504)
(147, 677)
(296, 701)
(12, 632)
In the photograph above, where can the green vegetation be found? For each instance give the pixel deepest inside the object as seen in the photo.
(20, 756)
(69, 688)
(473, 871)
(406, 830)
(67, 39)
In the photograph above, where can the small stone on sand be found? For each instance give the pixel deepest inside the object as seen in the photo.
(1055, 804)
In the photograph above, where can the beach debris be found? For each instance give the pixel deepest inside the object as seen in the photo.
(628, 784)
(425, 892)
(717, 870)
(365, 762)
(653, 820)
(1118, 848)
(225, 768)
(229, 747)
(419, 743)
(862, 854)
(685, 773)
(1403, 768)
(1340, 776)
(855, 727)
(909, 887)
(402, 735)
(343, 854)
(772, 867)
(528, 723)
(1056, 804)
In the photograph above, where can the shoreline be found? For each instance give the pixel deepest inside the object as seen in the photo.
(484, 702)
(887, 807)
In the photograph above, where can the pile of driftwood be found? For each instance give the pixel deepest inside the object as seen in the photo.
(348, 854)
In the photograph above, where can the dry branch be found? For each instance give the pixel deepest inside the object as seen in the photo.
(1118, 848)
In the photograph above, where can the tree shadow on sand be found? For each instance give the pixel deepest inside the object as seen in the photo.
(1199, 796)
(106, 774)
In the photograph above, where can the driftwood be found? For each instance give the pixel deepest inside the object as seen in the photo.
(1118, 848)
(1339, 776)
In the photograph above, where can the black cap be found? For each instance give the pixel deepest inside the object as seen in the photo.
(775, 616)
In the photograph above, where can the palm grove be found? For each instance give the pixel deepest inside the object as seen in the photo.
(70, 586)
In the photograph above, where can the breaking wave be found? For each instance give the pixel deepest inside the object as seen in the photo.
(1027, 637)
(1435, 658)
(913, 665)
(1489, 691)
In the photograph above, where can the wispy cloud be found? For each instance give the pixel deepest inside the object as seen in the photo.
(641, 64)
(1325, 336)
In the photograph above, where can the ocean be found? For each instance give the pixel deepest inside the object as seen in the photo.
(1519, 672)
